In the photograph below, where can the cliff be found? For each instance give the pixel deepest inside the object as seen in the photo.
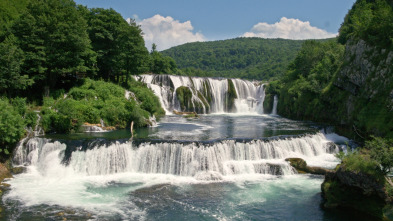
(366, 77)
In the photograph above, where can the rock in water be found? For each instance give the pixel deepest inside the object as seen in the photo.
(301, 166)
(356, 190)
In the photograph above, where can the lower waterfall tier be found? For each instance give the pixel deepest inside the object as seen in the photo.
(201, 160)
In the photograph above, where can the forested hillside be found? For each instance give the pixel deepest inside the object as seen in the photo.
(346, 82)
(248, 58)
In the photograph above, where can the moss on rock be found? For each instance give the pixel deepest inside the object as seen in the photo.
(301, 166)
(184, 96)
(189, 103)
(268, 103)
(355, 190)
(230, 97)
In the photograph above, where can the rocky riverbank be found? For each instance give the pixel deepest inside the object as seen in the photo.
(345, 189)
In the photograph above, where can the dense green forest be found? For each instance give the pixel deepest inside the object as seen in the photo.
(72, 65)
(247, 58)
(347, 82)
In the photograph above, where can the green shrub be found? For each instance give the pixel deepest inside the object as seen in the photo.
(80, 93)
(95, 100)
(381, 150)
(362, 163)
(149, 101)
(19, 105)
(30, 118)
(11, 126)
(62, 123)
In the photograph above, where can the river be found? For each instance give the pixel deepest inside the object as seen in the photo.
(228, 164)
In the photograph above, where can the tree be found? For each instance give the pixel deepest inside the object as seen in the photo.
(104, 31)
(9, 11)
(11, 61)
(53, 36)
(119, 44)
(381, 150)
(161, 64)
(135, 55)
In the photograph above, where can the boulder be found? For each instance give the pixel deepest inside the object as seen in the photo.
(186, 114)
(355, 190)
(4, 173)
(301, 166)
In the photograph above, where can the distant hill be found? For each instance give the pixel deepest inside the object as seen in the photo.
(249, 58)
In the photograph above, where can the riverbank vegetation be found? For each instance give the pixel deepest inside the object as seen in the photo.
(346, 82)
(72, 64)
(360, 182)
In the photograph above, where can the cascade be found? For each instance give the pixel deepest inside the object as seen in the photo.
(206, 95)
(38, 131)
(274, 111)
(200, 160)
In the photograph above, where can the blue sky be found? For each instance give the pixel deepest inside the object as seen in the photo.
(172, 22)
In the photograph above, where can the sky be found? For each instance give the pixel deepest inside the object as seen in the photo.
(168, 23)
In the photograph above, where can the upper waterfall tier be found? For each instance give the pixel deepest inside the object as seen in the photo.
(206, 95)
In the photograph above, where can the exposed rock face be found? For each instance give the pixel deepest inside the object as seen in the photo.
(301, 166)
(367, 64)
(367, 77)
(347, 189)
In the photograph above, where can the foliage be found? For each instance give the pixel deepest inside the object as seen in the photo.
(9, 11)
(11, 126)
(375, 158)
(95, 100)
(361, 162)
(370, 20)
(250, 58)
(340, 155)
(52, 35)
(381, 150)
(161, 64)
(31, 118)
(304, 92)
(118, 44)
(51, 44)
(11, 61)
(314, 86)
(149, 101)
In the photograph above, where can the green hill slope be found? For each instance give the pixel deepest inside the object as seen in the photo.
(250, 58)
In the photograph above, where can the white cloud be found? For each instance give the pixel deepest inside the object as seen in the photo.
(166, 32)
(288, 28)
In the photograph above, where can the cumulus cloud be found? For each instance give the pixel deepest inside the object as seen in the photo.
(288, 28)
(167, 32)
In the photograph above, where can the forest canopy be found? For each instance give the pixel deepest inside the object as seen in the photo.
(247, 58)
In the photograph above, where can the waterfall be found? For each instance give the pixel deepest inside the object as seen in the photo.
(206, 95)
(274, 111)
(200, 160)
